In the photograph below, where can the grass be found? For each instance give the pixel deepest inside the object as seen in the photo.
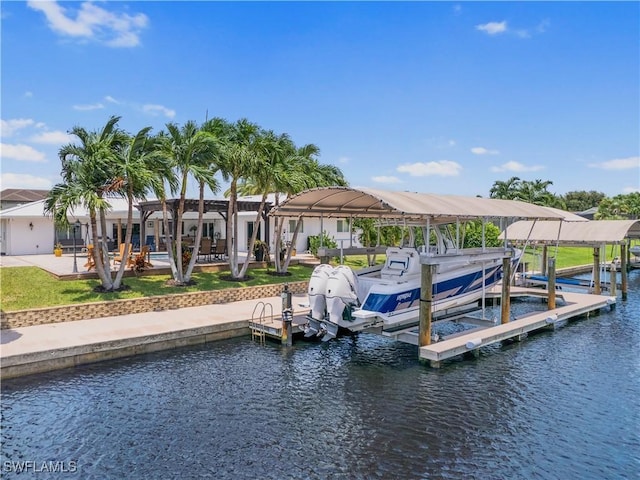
(31, 287)
(568, 256)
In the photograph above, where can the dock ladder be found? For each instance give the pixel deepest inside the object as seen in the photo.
(257, 323)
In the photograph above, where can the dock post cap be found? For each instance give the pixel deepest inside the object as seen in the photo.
(551, 319)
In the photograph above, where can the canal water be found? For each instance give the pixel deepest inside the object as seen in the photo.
(559, 405)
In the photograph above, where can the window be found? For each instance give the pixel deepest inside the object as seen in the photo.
(343, 226)
(292, 226)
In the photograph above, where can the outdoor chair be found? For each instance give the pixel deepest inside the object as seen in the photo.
(205, 249)
(220, 249)
(91, 261)
(119, 256)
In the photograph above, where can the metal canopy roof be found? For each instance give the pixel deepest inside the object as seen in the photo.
(590, 233)
(344, 202)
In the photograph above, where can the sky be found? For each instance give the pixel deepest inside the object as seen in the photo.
(432, 97)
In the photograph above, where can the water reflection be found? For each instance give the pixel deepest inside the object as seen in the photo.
(559, 405)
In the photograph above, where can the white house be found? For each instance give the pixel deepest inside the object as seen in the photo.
(25, 230)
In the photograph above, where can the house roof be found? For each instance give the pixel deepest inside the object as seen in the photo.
(22, 195)
(590, 233)
(344, 202)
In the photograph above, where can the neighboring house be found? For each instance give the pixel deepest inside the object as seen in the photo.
(589, 214)
(25, 230)
(13, 197)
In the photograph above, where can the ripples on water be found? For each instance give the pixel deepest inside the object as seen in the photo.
(560, 405)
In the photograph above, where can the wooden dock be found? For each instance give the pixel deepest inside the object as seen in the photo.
(576, 304)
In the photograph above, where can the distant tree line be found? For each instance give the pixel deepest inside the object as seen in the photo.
(536, 192)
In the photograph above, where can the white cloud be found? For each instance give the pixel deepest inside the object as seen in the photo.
(9, 127)
(618, 164)
(630, 189)
(443, 168)
(484, 151)
(22, 180)
(93, 22)
(156, 109)
(386, 179)
(516, 167)
(493, 28)
(344, 160)
(84, 108)
(20, 152)
(28, 94)
(110, 99)
(55, 137)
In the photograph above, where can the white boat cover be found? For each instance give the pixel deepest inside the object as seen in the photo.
(344, 202)
(596, 232)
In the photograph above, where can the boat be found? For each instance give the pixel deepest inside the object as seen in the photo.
(387, 297)
(635, 250)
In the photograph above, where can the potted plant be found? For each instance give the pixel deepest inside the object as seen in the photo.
(260, 250)
(57, 249)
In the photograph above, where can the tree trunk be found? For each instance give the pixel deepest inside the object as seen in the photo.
(105, 278)
(196, 243)
(245, 266)
(127, 243)
(293, 242)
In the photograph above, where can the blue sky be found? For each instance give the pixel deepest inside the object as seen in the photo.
(440, 97)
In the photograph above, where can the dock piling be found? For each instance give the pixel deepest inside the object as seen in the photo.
(551, 285)
(597, 288)
(624, 270)
(505, 300)
(287, 317)
(426, 314)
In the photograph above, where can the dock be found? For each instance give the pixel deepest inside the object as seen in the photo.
(576, 304)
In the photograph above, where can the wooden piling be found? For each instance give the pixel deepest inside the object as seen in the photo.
(613, 279)
(597, 290)
(551, 284)
(543, 263)
(426, 300)
(505, 301)
(624, 271)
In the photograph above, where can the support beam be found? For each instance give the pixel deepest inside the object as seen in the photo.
(551, 284)
(543, 264)
(426, 301)
(505, 301)
(596, 271)
(624, 271)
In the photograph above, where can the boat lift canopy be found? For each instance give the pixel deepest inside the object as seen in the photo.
(589, 233)
(344, 202)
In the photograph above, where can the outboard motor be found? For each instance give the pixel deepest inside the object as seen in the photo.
(317, 297)
(342, 294)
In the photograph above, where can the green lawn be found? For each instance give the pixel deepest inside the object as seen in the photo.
(31, 287)
(569, 256)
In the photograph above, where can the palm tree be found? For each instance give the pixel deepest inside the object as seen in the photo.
(238, 158)
(86, 172)
(136, 173)
(506, 190)
(189, 149)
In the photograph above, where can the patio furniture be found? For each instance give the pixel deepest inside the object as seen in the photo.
(220, 249)
(205, 249)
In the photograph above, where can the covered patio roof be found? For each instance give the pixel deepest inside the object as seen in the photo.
(590, 233)
(344, 202)
(191, 205)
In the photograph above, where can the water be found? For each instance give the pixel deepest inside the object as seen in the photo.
(560, 405)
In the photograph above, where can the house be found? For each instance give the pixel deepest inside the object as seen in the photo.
(25, 230)
(13, 197)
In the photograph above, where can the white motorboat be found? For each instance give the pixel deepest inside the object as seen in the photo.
(388, 296)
